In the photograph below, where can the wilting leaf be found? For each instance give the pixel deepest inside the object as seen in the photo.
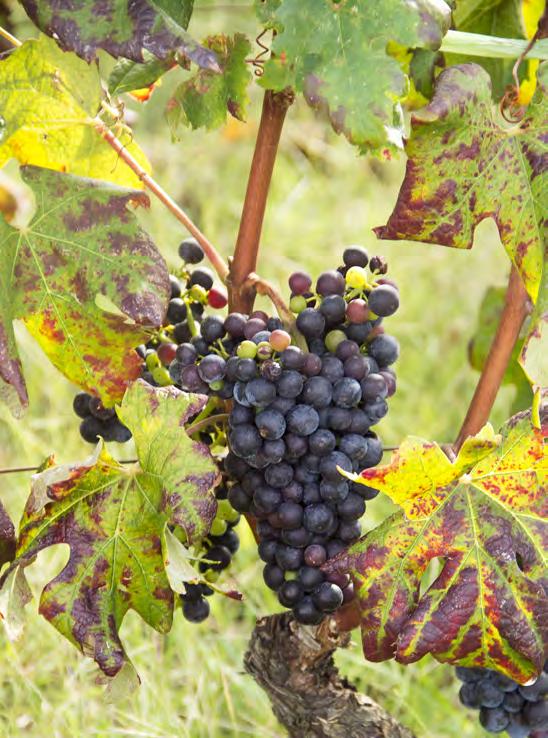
(503, 18)
(464, 166)
(83, 241)
(121, 28)
(483, 517)
(336, 53)
(7, 537)
(113, 518)
(205, 98)
(47, 102)
(534, 353)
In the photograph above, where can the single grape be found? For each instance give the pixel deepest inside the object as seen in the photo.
(212, 328)
(315, 555)
(332, 368)
(299, 283)
(329, 466)
(351, 508)
(290, 384)
(267, 499)
(288, 558)
(291, 515)
(280, 340)
(378, 265)
(246, 370)
(202, 277)
(212, 368)
(260, 392)
(347, 392)
(254, 326)
(235, 324)
(384, 349)
(279, 475)
(333, 309)
(493, 720)
(216, 299)
(175, 286)
(355, 256)
(334, 339)
(292, 358)
(384, 300)
(317, 518)
(311, 323)
(317, 392)
(330, 283)
(176, 310)
(90, 429)
(305, 612)
(303, 420)
(80, 404)
(322, 442)
(357, 311)
(273, 576)
(354, 446)
(312, 365)
(244, 440)
(356, 278)
(190, 251)
(374, 387)
(328, 597)
(296, 446)
(196, 611)
(297, 304)
(311, 577)
(290, 593)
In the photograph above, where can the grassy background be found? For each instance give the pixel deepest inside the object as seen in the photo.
(323, 197)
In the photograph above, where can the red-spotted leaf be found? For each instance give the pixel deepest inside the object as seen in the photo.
(88, 282)
(483, 518)
(7, 537)
(121, 27)
(465, 164)
(114, 518)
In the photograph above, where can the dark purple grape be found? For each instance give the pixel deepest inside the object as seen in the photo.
(355, 256)
(290, 384)
(333, 309)
(176, 310)
(292, 358)
(271, 424)
(347, 349)
(299, 283)
(322, 442)
(384, 349)
(347, 392)
(244, 440)
(303, 420)
(330, 283)
(190, 251)
(279, 475)
(196, 611)
(273, 576)
(317, 518)
(328, 597)
(315, 555)
(290, 593)
(288, 558)
(384, 300)
(202, 276)
(305, 612)
(80, 404)
(212, 368)
(311, 323)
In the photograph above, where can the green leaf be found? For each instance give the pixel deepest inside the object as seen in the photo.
(205, 98)
(82, 244)
(488, 319)
(266, 11)
(48, 100)
(502, 18)
(535, 347)
(483, 517)
(128, 75)
(464, 166)
(121, 28)
(336, 53)
(114, 518)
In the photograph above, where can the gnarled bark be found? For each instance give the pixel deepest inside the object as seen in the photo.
(294, 665)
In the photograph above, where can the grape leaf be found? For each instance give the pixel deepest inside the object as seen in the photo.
(121, 28)
(502, 18)
(336, 54)
(535, 347)
(464, 167)
(484, 518)
(128, 75)
(205, 98)
(82, 249)
(48, 100)
(7, 537)
(114, 519)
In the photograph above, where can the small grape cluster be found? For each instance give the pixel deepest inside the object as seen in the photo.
(218, 550)
(505, 705)
(98, 420)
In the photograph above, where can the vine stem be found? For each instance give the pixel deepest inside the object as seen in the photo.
(243, 264)
(516, 308)
(216, 260)
(9, 37)
(477, 44)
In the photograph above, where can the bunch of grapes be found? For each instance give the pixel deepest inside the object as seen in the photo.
(98, 420)
(505, 705)
(301, 408)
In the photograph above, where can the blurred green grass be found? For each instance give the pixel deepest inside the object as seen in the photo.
(323, 197)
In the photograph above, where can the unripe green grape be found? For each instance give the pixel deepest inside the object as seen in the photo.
(247, 350)
(217, 385)
(161, 376)
(333, 339)
(297, 304)
(152, 361)
(356, 278)
(198, 293)
(227, 512)
(211, 575)
(218, 526)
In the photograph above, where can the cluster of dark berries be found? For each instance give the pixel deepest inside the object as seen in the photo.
(98, 420)
(504, 705)
(301, 414)
(218, 550)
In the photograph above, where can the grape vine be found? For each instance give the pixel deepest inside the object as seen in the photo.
(246, 417)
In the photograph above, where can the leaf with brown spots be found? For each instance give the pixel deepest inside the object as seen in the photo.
(466, 165)
(482, 518)
(48, 102)
(114, 519)
(123, 28)
(87, 281)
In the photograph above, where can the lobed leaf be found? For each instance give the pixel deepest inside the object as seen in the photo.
(122, 28)
(48, 100)
(464, 167)
(483, 517)
(114, 519)
(336, 53)
(205, 98)
(82, 251)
